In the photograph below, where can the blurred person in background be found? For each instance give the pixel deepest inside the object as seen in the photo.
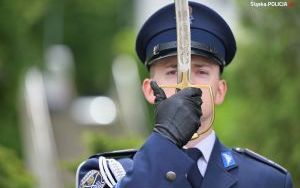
(170, 157)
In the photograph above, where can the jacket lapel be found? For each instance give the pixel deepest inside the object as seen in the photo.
(217, 173)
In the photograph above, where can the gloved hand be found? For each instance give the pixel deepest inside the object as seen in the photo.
(177, 117)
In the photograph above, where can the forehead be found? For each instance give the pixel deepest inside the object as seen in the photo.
(195, 60)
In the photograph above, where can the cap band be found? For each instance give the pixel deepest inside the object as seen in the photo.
(170, 48)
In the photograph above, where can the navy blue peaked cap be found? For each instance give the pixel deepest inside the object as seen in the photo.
(210, 35)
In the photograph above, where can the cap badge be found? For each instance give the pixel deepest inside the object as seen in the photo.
(156, 49)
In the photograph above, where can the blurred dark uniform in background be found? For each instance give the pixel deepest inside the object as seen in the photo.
(162, 162)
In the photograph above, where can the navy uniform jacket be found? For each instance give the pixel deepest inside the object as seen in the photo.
(158, 157)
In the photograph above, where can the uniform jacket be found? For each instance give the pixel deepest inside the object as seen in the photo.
(227, 168)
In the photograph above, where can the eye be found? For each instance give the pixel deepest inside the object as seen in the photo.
(172, 72)
(202, 72)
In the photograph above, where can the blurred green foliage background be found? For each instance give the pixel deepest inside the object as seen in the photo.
(261, 111)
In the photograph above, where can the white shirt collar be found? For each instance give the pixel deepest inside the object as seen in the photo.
(206, 145)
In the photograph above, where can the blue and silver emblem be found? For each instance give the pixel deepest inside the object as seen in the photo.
(228, 160)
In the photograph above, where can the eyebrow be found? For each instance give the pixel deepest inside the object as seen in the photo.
(171, 65)
(193, 65)
(197, 65)
(201, 65)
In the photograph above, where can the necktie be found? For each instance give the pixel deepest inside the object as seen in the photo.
(194, 176)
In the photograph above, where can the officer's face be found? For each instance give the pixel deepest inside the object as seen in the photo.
(204, 71)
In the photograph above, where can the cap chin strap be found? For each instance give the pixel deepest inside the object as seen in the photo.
(185, 84)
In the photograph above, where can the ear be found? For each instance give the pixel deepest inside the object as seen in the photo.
(221, 92)
(148, 92)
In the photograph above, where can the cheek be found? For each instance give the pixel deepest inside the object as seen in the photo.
(167, 80)
(169, 91)
(207, 104)
(200, 79)
(215, 89)
(206, 96)
(213, 83)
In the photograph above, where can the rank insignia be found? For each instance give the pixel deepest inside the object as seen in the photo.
(228, 160)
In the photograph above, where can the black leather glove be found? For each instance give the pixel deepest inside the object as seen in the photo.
(177, 117)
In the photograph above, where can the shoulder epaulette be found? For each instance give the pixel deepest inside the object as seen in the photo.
(260, 158)
(116, 154)
(104, 169)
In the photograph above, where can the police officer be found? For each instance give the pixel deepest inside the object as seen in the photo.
(169, 158)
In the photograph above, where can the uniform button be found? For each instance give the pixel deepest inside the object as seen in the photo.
(171, 176)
